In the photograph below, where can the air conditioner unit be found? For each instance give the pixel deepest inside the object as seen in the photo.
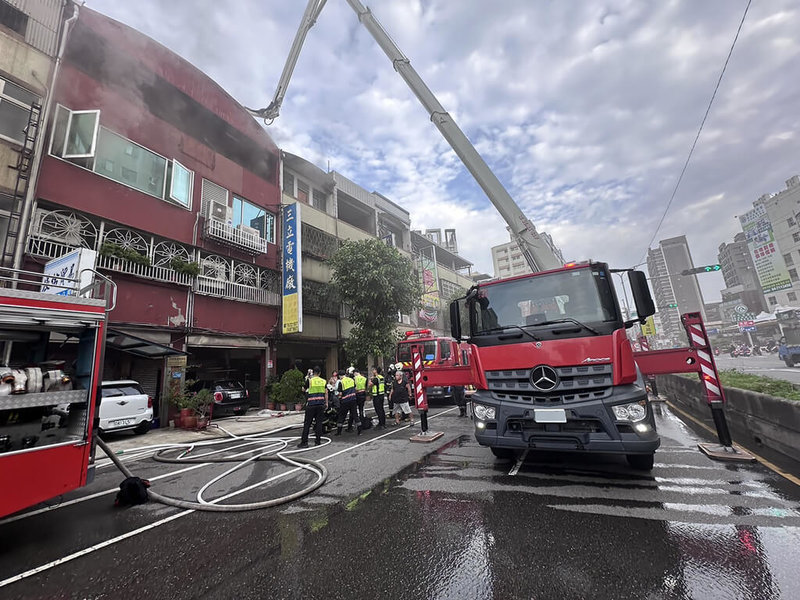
(406, 319)
(251, 231)
(220, 212)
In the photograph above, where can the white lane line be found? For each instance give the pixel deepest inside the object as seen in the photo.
(164, 521)
(515, 469)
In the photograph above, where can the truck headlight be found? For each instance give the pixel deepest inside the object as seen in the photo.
(484, 413)
(633, 412)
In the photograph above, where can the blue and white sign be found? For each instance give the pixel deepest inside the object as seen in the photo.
(712, 331)
(73, 265)
(292, 289)
(750, 328)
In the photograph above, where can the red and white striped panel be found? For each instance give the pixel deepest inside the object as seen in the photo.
(419, 391)
(644, 343)
(708, 370)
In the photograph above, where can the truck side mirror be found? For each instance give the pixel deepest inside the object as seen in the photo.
(641, 294)
(455, 321)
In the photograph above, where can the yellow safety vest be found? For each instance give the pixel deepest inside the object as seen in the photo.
(316, 390)
(348, 389)
(361, 383)
(381, 386)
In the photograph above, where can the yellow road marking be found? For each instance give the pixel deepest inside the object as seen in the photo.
(762, 460)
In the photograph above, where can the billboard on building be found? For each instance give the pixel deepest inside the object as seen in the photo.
(431, 301)
(770, 268)
(60, 273)
(292, 289)
(649, 326)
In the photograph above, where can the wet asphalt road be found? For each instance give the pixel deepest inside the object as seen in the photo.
(402, 520)
(768, 365)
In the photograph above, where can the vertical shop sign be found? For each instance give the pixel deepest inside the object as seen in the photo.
(292, 291)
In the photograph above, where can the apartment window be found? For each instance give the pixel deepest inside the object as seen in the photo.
(318, 199)
(796, 236)
(793, 274)
(180, 183)
(772, 300)
(787, 258)
(13, 18)
(792, 297)
(288, 183)
(75, 133)
(15, 107)
(302, 191)
(247, 214)
(122, 160)
(791, 222)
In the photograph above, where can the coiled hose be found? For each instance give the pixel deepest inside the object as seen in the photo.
(274, 451)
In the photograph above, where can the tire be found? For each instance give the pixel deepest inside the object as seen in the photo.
(789, 361)
(503, 453)
(641, 462)
(142, 427)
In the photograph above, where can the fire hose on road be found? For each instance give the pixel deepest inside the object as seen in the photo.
(261, 448)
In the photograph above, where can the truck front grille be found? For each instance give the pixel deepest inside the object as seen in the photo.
(575, 384)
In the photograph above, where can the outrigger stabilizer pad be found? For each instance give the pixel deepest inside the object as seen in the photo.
(726, 453)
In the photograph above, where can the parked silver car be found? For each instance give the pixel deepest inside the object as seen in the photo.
(125, 406)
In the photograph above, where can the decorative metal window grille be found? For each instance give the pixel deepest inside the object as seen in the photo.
(317, 243)
(288, 184)
(320, 298)
(212, 193)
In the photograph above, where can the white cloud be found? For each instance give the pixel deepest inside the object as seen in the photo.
(585, 111)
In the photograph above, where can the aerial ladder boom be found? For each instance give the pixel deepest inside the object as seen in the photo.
(536, 251)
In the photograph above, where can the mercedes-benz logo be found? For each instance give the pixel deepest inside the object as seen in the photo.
(544, 378)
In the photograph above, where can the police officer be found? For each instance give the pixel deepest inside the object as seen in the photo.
(347, 402)
(378, 390)
(361, 391)
(315, 408)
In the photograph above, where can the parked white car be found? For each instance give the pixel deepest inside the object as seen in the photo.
(125, 406)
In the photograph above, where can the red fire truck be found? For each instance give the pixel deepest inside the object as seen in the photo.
(436, 350)
(53, 346)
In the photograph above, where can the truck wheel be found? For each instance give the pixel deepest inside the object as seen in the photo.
(642, 462)
(503, 453)
(142, 427)
(789, 361)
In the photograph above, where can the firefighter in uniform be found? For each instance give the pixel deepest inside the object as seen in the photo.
(347, 402)
(315, 408)
(378, 390)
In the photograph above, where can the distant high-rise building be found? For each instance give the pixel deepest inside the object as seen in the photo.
(741, 279)
(665, 265)
(508, 261)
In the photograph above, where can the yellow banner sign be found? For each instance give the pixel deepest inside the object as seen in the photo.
(649, 327)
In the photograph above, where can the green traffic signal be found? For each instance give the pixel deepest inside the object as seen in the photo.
(672, 306)
(710, 268)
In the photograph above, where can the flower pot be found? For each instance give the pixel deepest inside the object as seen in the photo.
(298, 407)
(271, 405)
(202, 422)
(281, 407)
(189, 422)
(186, 412)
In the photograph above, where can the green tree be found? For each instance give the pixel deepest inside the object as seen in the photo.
(376, 282)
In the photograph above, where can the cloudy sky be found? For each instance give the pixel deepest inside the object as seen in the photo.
(586, 110)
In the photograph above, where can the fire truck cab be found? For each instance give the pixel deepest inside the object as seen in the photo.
(435, 351)
(53, 346)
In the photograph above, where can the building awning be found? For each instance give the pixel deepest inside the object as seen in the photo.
(221, 341)
(125, 342)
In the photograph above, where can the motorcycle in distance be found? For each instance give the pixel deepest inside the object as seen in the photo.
(740, 350)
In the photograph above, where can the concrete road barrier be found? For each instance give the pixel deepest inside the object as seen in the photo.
(756, 420)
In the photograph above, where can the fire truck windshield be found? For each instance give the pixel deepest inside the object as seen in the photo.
(404, 351)
(583, 295)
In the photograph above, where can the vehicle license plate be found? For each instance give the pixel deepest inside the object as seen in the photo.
(550, 415)
(236, 394)
(121, 422)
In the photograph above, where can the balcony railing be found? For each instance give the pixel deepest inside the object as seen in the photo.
(234, 237)
(165, 274)
(210, 286)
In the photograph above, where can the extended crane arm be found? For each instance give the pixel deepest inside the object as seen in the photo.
(271, 112)
(536, 251)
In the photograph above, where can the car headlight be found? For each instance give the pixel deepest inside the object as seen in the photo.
(484, 413)
(633, 412)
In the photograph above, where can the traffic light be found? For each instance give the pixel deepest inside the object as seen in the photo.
(704, 269)
(673, 305)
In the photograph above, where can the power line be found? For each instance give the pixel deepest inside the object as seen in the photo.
(699, 131)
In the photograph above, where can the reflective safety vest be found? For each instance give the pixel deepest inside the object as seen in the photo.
(316, 391)
(348, 389)
(361, 385)
(381, 389)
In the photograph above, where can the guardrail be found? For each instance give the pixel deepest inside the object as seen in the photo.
(209, 286)
(231, 236)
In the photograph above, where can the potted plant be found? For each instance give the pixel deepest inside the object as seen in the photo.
(174, 397)
(271, 390)
(202, 401)
(290, 389)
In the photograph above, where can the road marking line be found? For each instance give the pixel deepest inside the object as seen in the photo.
(515, 469)
(164, 521)
(771, 466)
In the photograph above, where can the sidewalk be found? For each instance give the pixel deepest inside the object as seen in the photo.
(257, 421)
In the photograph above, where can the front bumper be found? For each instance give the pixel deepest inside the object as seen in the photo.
(590, 426)
(137, 419)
